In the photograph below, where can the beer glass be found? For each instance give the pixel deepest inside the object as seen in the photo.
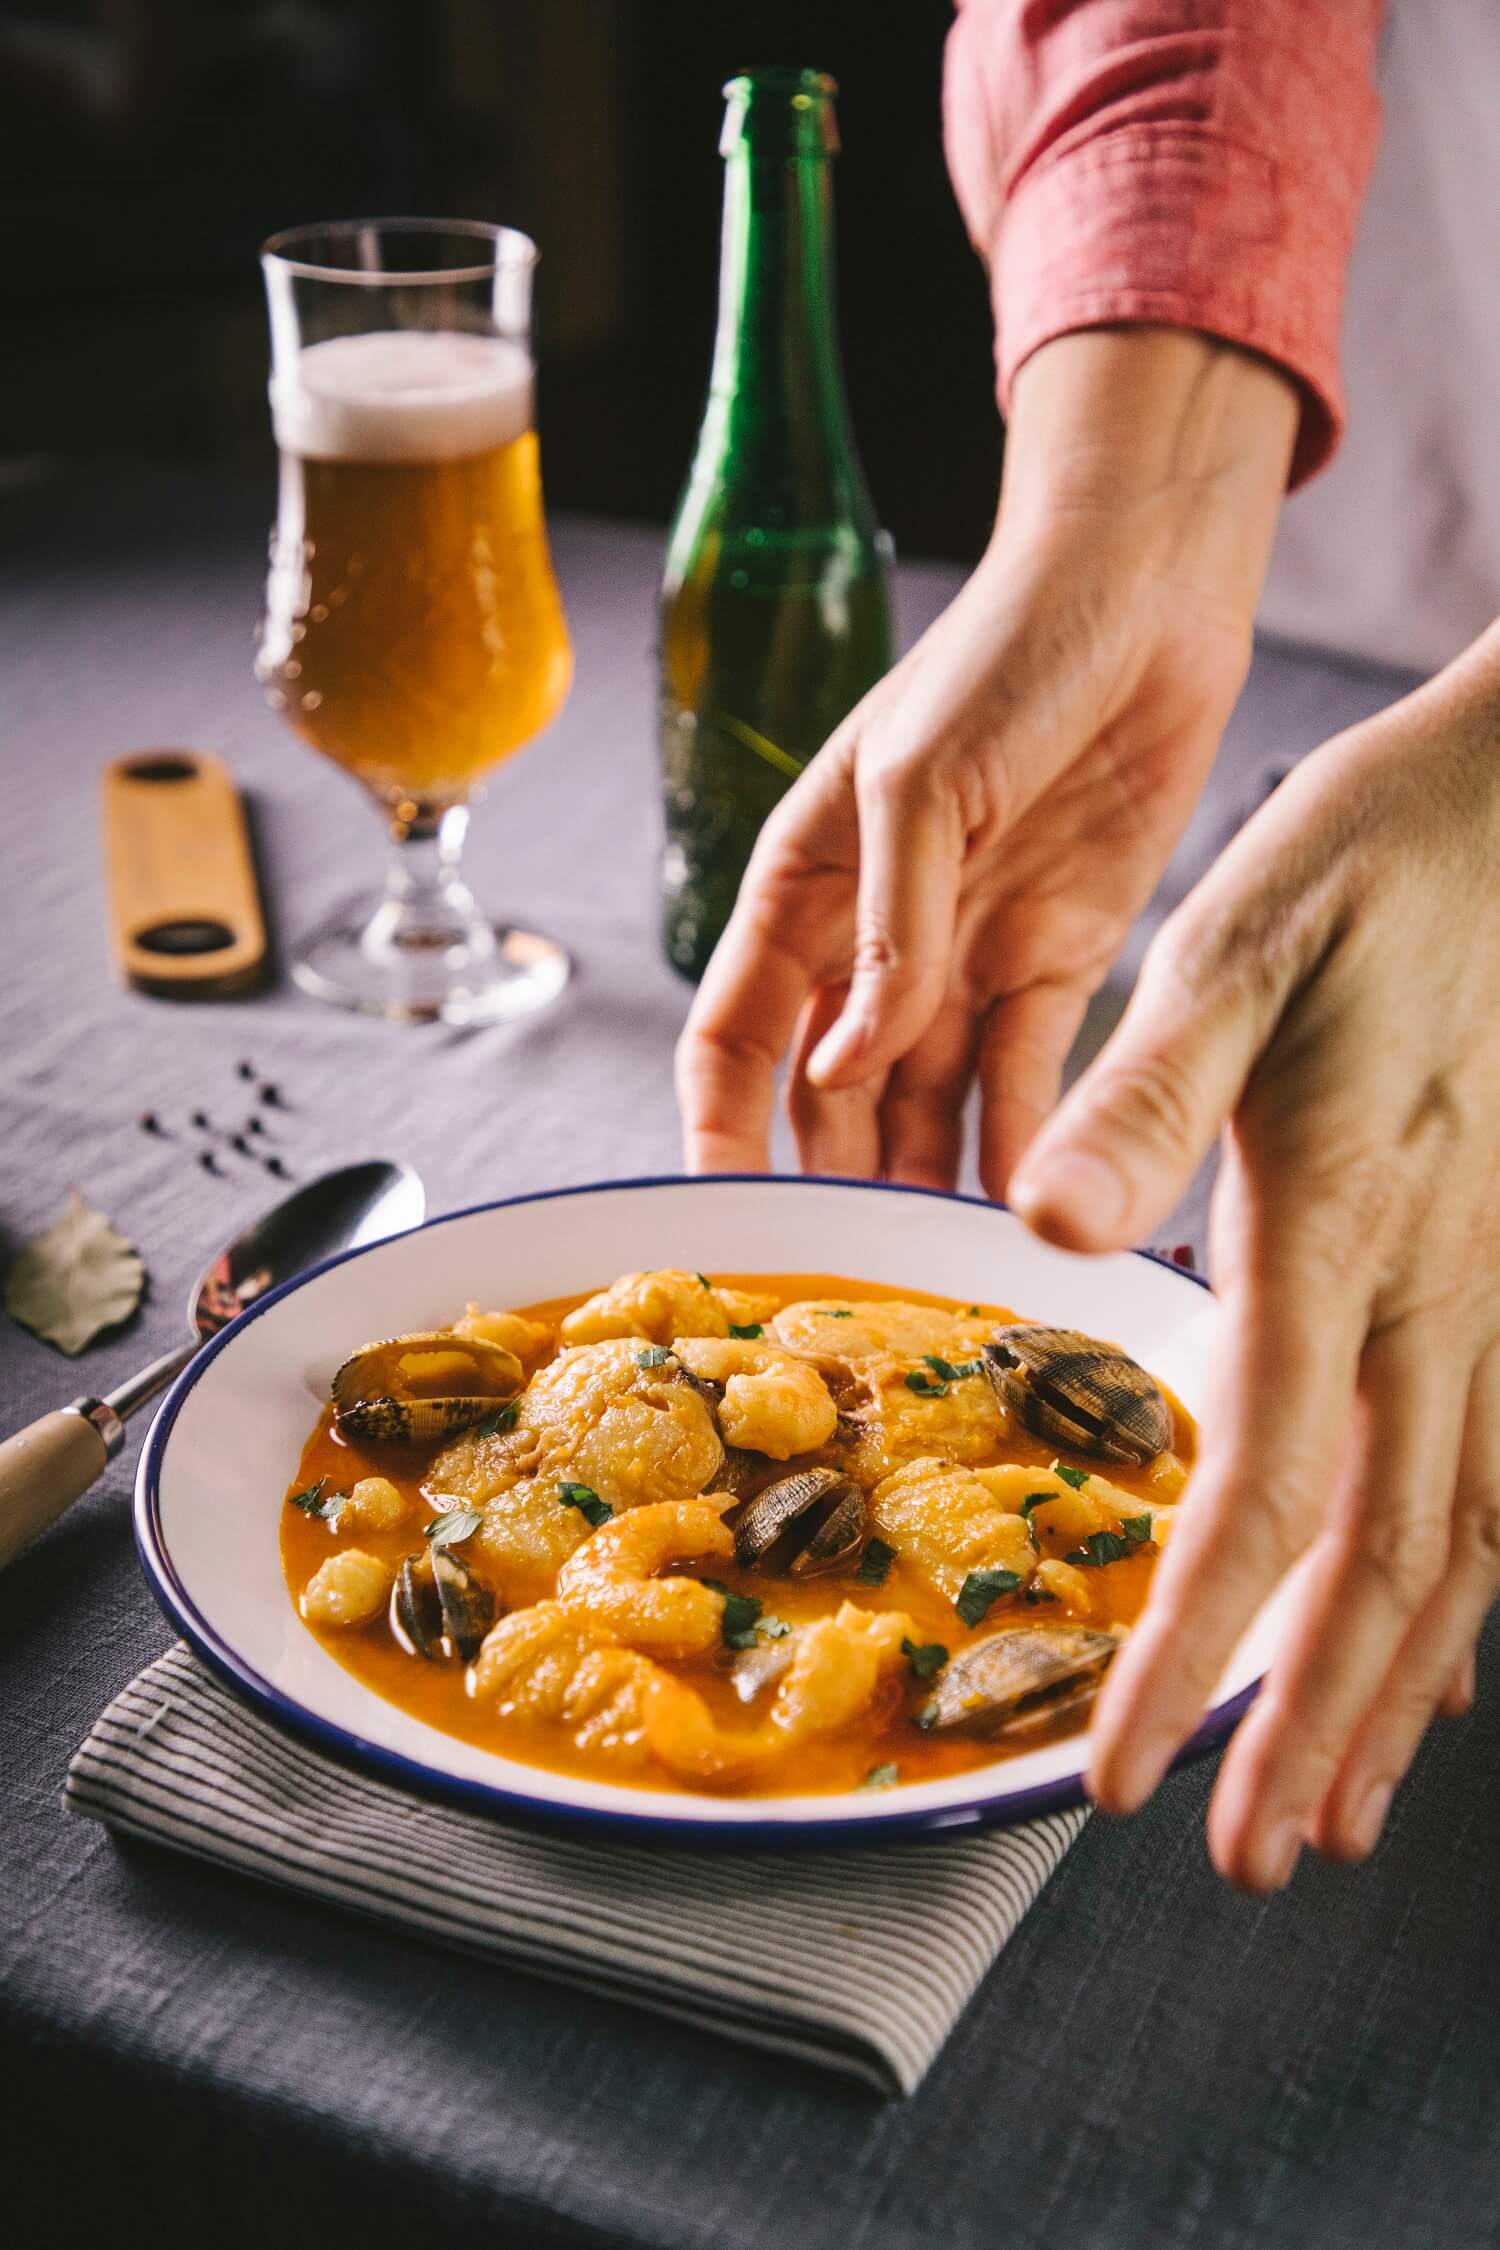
(413, 631)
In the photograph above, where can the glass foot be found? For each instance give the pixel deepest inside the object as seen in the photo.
(393, 963)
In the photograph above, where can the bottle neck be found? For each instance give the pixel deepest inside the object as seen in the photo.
(776, 369)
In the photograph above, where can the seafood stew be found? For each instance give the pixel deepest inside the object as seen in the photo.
(761, 1535)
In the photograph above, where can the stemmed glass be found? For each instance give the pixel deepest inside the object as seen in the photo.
(413, 631)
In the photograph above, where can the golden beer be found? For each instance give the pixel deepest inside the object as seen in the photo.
(413, 632)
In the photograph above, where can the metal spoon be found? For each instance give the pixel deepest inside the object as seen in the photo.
(47, 1466)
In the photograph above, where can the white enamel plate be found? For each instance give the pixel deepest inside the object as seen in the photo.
(216, 1465)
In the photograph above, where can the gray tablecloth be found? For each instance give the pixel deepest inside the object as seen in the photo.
(1152, 2062)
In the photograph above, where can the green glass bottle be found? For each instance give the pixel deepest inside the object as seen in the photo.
(775, 606)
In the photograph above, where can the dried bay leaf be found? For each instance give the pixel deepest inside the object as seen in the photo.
(76, 1280)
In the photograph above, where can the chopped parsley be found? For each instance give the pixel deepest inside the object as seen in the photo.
(924, 1661)
(1077, 1478)
(586, 1500)
(1029, 1505)
(741, 1614)
(742, 1623)
(313, 1501)
(1103, 1547)
(875, 1563)
(504, 1420)
(951, 1371)
(750, 1333)
(981, 1590)
(655, 1355)
(881, 1777)
(455, 1524)
(830, 1312)
(972, 1313)
(924, 1386)
(701, 1279)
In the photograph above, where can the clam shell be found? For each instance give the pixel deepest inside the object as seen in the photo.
(1018, 1677)
(416, 1615)
(838, 1538)
(440, 1607)
(1079, 1393)
(379, 1393)
(779, 1505)
(468, 1605)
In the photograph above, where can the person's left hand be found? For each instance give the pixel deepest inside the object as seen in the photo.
(1332, 990)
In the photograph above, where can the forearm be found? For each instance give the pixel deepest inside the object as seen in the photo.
(1172, 447)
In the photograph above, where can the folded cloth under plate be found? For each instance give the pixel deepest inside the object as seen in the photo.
(861, 1960)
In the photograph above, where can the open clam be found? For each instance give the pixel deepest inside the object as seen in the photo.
(440, 1607)
(1017, 1680)
(820, 1513)
(1076, 1392)
(414, 1389)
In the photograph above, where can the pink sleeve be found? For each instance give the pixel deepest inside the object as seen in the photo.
(1197, 163)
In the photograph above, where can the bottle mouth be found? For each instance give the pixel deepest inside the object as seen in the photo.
(778, 79)
(777, 108)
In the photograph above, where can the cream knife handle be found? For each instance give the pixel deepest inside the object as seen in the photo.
(46, 1467)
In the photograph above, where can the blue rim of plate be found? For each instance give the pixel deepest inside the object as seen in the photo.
(692, 1831)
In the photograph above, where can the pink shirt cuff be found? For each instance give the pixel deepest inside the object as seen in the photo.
(1213, 184)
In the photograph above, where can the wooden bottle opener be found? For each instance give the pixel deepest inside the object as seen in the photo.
(185, 916)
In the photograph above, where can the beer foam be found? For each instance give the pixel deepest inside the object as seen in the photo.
(402, 395)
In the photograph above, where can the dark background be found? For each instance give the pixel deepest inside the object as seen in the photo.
(148, 146)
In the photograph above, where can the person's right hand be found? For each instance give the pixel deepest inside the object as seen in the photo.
(945, 887)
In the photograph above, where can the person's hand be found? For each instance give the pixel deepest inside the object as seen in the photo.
(1332, 986)
(948, 883)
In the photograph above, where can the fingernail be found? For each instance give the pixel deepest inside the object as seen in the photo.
(1135, 1775)
(1370, 1818)
(838, 1045)
(1073, 1185)
(1279, 1855)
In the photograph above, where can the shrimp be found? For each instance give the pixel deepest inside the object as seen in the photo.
(609, 1579)
(554, 1663)
(837, 1671)
(548, 1663)
(839, 1665)
(773, 1403)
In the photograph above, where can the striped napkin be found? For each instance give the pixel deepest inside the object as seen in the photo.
(861, 1960)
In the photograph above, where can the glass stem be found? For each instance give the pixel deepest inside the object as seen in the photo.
(428, 907)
